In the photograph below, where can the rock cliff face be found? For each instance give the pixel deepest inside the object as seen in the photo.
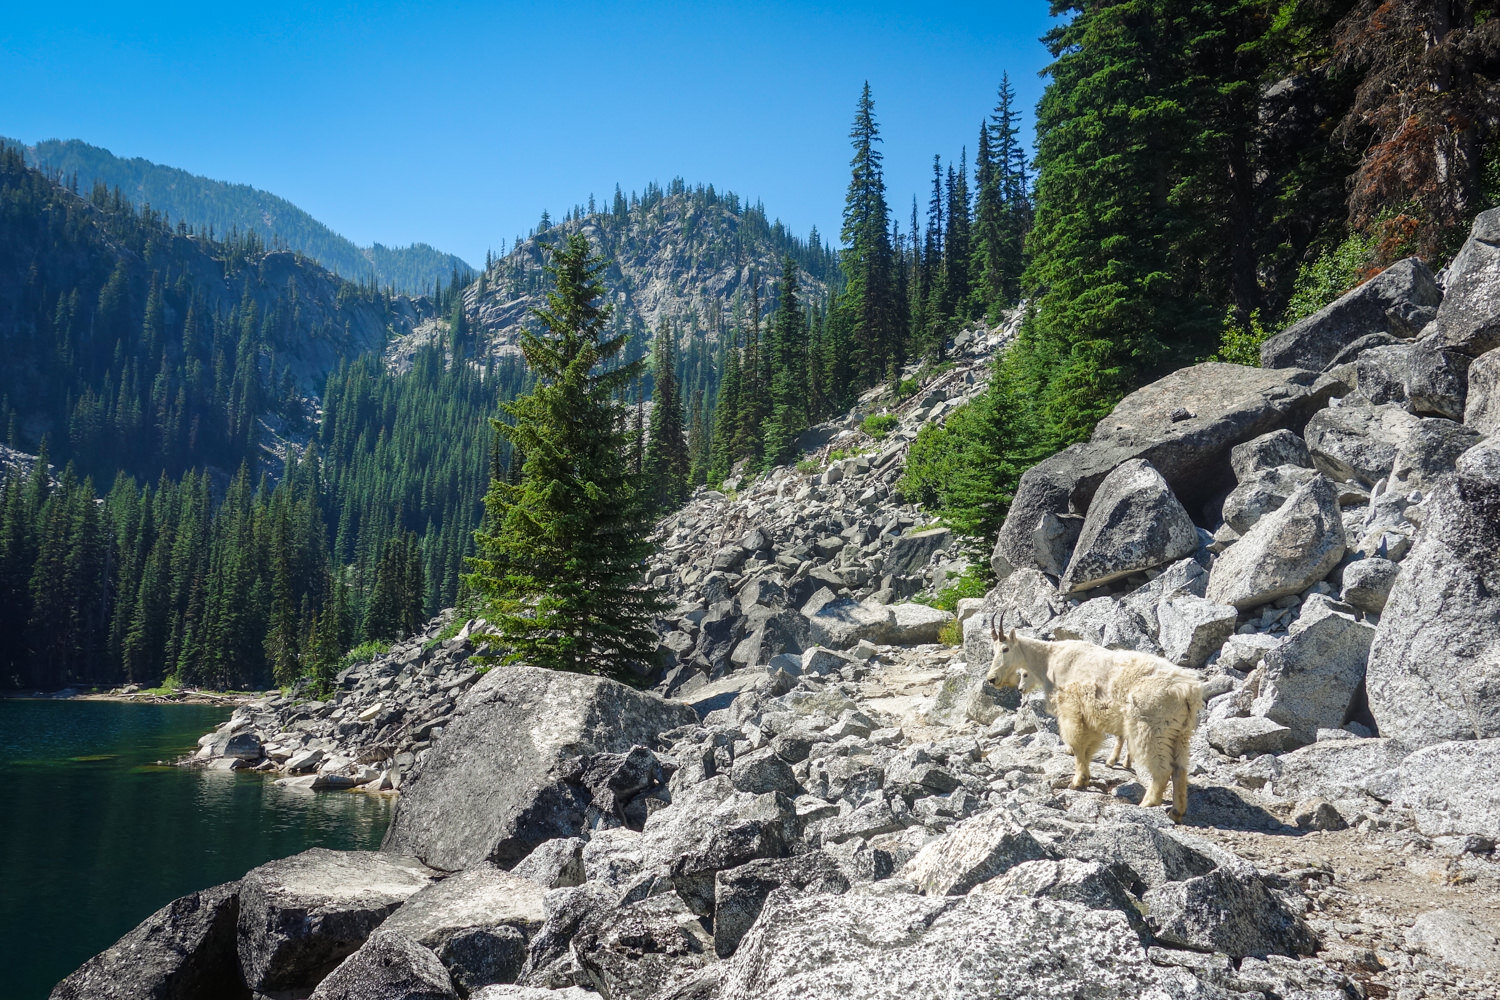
(820, 800)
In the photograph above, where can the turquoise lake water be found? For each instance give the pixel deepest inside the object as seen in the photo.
(94, 835)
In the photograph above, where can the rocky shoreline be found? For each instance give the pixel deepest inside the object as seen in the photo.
(820, 799)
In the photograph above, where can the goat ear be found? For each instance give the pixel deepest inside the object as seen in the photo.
(1011, 638)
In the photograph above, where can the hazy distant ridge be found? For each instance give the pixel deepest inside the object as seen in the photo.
(202, 202)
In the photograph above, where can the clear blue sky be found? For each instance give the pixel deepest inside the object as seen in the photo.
(456, 124)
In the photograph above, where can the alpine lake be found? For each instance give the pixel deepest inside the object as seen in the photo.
(96, 832)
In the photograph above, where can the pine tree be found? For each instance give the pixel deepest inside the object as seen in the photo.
(667, 458)
(867, 258)
(726, 417)
(561, 572)
(788, 415)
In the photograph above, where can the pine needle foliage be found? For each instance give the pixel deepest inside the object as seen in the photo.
(561, 557)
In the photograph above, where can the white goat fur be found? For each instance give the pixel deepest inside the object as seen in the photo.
(1152, 703)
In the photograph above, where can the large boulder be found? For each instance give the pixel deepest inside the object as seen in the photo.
(1362, 443)
(1230, 909)
(1143, 856)
(641, 950)
(183, 951)
(1482, 408)
(477, 922)
(303, 915)
(1340, 769)
(1401, 300)
(711, 827)
(1134, 523)
(740, 893)
(1469, 318)
(506, 774)
(1286, 552)
(910, 554)
(1088, 883)
(1434, 671)
(1184, 424)
(1368, 582)
(1268, 452)
(866, 947)
(843, 622)
(974, 851)
(1450, 788)
(1191, 629)
(388, 966)
(1437, 380)
(1312, 680)
(1262, 492)
(913, 624)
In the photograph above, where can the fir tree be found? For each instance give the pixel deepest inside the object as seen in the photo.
(561, 572)
(788, 415)
(867, 258)
(667, 458)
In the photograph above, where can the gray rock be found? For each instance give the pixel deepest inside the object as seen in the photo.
(740, 893)
(1054, 539)
(243, 745)
(1143, 856)
(1228, 405)
(1317, 814)
(477, 922)
(1434, 672)
(1191, 629)
(1229, 910)
(554, 863)
(1368, 583)
(1341, 769)
(910, 554)
(711, 827)
(183, 951)
(533, 993)
(1381, 373)
(1482, 409)
(301, 916)
(866, 947)
(642, 950)
(503, 777)
(1268, 452)
(1437, 381)
(1285, 553)
(388, 966)
(1088, 883)
(550, 963)
(1261, 493)
(974, 851)
(1134, 523)
(763, 771)
(1311, 680)
(1400, 300)
(1251, 735)
(613, 856)
(1469, 318)
(818, 661)
(1361, 443)
(915, 624)
(1455, 938)
(843, 622)
(1450, 788)
(1106, 622)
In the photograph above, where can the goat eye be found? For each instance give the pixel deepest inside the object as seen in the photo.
(1005, 649)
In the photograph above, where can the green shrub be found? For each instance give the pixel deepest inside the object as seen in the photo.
(1329, 275)
(362, 653)
(879, 425)
(808, 466)
(1240, 343)
(971, 583)
(952, 633)
(906, 388)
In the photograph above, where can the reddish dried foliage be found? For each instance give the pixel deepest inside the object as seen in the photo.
(1426, 105)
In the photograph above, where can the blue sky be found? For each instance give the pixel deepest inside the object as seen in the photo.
(456, 124)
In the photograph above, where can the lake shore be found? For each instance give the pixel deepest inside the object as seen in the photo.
(141, 697)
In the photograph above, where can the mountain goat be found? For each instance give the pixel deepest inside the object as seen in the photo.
(1151, 705)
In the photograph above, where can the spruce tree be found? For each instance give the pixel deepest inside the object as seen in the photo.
(667, 459)
(561, 570)
(867, 257)
(789, 384)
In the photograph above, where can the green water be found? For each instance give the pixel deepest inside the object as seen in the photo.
(94, 835)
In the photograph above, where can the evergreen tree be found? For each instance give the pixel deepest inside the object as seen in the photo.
(561, 573)
(867, 261)
(667, 458)
(788, 415)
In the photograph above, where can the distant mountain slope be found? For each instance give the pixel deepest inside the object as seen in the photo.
(203, 204)
(690, 256)
(129, 345)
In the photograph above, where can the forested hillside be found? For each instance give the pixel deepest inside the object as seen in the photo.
(226, 210)
(165, 367)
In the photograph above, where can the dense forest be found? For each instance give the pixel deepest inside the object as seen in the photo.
(295, 463)
(234, 210)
